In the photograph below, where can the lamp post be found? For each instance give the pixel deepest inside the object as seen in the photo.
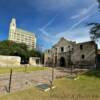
(53, 65)
(69, 59)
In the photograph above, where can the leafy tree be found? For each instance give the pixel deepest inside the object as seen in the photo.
(95, 30)
(98, 1)
(17, 49)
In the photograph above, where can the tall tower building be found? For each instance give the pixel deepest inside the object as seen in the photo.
(21, 36)
(12, 28)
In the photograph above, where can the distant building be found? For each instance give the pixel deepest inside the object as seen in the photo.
(21, 36)
(34, 61)
(66, 53)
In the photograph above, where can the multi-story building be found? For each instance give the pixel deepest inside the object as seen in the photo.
(21, 36)
(66, 53)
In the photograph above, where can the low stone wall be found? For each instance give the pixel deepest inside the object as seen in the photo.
(9, 61)
(34, 61)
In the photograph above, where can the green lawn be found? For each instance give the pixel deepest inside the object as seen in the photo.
(85, 88)
(4, 70)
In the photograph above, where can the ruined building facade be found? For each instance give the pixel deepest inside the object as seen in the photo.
(68, 53)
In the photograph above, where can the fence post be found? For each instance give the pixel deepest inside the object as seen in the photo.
(10, 80)
(25, 67)
(51, 82)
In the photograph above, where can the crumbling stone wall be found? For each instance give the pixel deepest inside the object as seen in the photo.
(84, 54)
(48, 58)
(53, 56)
(9, 61)
(81, 54)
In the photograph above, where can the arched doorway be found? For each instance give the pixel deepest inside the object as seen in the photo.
(62, 62)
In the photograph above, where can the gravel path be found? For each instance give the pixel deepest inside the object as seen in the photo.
(21, 81)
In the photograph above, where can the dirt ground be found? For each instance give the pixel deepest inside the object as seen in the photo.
(21, 81)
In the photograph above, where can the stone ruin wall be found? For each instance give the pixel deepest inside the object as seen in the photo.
(9, 61)
(89, 52)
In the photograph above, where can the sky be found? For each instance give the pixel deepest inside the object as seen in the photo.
(50, 19)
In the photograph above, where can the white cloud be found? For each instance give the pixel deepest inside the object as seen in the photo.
(45, 35)
(79, 22)
(49, 23)
(85, 15)
(80, 14)
(84, 11)
(79, 34)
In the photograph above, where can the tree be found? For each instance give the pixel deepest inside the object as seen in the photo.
(17, 49)
(95, 30)
(13, 49)
(98, 1)
(35, 53)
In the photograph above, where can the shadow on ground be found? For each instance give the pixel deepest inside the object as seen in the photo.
(87, 72)
(93, 73)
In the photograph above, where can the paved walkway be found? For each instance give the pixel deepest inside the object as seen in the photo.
(22, 81)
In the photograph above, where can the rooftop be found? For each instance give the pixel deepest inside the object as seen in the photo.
(24, 31)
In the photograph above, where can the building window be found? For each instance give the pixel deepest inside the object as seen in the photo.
(83, 56)
(62, 49)
(56, 49)
(48, 51)
(48, 58)
(81, 47)
(69, 46)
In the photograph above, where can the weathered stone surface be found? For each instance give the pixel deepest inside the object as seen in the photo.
(65, 53)
(9, 61)
(85, 55)
(34, 61)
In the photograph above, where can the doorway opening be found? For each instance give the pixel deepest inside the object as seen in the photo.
(62, 62)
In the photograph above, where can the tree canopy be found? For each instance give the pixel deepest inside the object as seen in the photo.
(17, 49)
(95, 30)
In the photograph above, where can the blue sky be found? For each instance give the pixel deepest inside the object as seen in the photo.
(50, 19)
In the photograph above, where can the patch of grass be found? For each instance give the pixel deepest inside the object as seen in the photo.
(86, 88)
(4, 70)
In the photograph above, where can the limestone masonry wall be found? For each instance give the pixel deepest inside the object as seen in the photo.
(65, 52)
(9, 61)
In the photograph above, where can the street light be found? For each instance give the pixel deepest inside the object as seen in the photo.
(53, 65)
(69, 59)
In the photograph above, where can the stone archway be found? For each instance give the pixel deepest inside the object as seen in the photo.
(62, 62)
